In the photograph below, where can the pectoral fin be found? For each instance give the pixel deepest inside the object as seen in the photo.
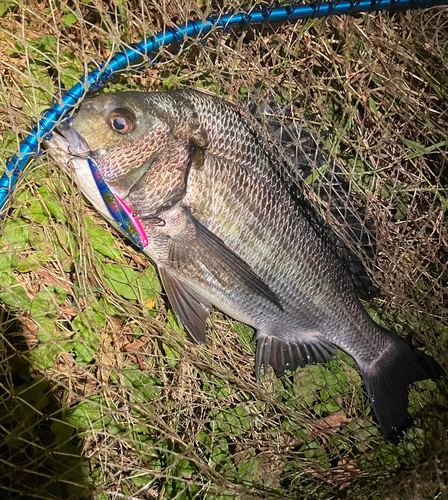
(203, 255)
(190, 308)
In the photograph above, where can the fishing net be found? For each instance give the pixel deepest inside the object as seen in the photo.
(102, 394)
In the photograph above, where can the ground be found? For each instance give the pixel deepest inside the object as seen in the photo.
(102, 394)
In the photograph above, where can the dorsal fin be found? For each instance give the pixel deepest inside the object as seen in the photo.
(351, 239)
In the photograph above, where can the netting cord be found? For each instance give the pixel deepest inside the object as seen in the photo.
(94, 80)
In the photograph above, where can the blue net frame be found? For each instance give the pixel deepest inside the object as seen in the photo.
(142, 50)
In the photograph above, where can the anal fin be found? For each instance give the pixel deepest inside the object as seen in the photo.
(190, 308)
(283, 355)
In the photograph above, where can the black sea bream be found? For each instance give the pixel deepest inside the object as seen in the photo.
(227, 227)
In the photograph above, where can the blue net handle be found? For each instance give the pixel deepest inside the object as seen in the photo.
(122, 60)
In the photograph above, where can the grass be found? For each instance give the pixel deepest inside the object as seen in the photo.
(102, 394)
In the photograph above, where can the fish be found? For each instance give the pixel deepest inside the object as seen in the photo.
(216, 208)
(330, 190)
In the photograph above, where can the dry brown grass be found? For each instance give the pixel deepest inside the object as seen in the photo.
(112, 378)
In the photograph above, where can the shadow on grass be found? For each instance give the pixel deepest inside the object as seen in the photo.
(40, 453)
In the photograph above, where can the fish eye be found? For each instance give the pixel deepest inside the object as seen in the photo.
(122, 120)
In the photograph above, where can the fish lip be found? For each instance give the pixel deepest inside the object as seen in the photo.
(76, 144)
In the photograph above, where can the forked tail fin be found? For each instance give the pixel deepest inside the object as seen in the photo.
(387, 382)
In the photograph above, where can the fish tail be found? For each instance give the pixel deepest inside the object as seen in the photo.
(387, 380)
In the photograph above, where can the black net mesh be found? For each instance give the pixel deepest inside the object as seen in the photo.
(102, 394)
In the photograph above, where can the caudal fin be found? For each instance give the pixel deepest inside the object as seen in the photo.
(387, 382)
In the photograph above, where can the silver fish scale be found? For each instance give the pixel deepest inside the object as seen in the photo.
(251, 210)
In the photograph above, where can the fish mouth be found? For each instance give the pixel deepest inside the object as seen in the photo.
(75, 143)
(66, 144)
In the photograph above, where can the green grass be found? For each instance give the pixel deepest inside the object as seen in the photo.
(102, 394)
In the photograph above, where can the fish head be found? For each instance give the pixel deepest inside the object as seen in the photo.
(142, 144)
(131, 152)
(104, 143)
(112, 121)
